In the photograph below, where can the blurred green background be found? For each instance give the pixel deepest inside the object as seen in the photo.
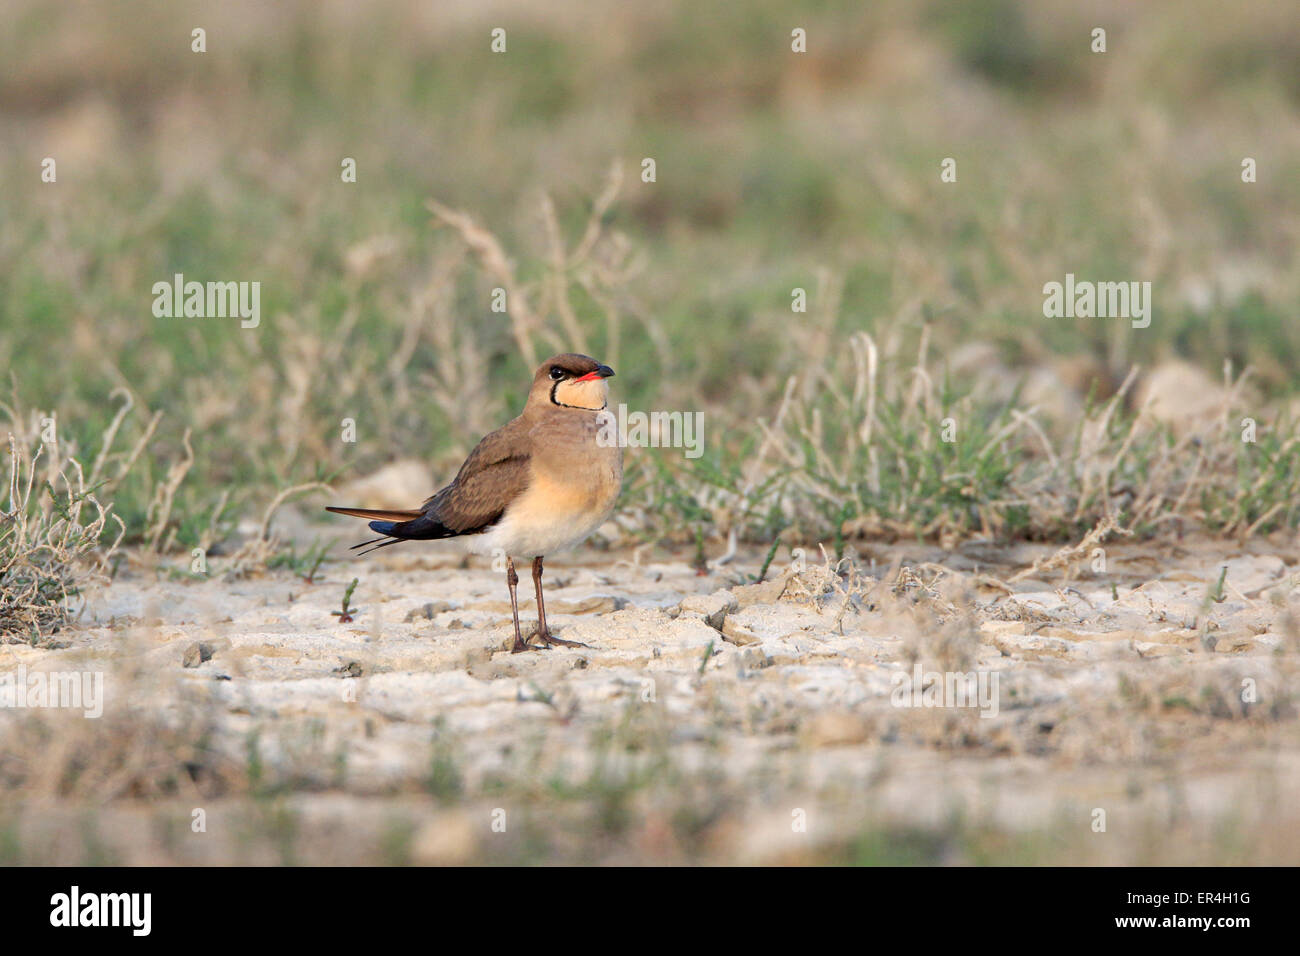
(775, 170)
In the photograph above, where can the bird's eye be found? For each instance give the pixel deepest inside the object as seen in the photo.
(557, 374)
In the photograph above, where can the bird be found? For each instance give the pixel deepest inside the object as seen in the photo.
(541, 483)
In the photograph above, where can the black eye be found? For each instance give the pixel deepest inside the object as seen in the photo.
(557, 373)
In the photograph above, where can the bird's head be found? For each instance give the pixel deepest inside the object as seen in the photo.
(571, 381)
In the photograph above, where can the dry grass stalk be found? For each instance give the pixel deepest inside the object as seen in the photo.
(1070, 555)
(253, 555)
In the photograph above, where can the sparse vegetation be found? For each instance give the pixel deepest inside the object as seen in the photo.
(347, 612)
(948, 460)
(50, 529)
(827, 421)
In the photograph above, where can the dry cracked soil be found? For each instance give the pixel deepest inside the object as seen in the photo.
(1140, 712)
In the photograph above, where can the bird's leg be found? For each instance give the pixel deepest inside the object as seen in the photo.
(543, 633)
(512, 582)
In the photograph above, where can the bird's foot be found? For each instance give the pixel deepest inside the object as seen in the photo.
(521, 646)
(549, 640)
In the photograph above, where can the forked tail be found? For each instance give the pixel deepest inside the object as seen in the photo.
(395, 526)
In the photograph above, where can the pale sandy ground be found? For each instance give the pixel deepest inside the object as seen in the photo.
(779, 744)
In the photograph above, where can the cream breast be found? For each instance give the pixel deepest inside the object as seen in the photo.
(574, 484)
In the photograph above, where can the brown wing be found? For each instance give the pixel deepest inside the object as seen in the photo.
(495, 473)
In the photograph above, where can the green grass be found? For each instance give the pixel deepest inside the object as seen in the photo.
(775, 170)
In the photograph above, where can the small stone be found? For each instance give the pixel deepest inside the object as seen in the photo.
(428, 610)
(196, 654)
(1234, 643)
(596, 604)
(713, 608)
(737, 633)
(769, 592)
(350, 669)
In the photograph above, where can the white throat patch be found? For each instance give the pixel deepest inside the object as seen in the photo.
(592, 394)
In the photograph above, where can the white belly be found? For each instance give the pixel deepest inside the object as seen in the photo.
(529, 536)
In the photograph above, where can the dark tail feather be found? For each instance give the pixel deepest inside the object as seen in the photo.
(395, 526)
(386, 543)
(371, 541)
(423, 526)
